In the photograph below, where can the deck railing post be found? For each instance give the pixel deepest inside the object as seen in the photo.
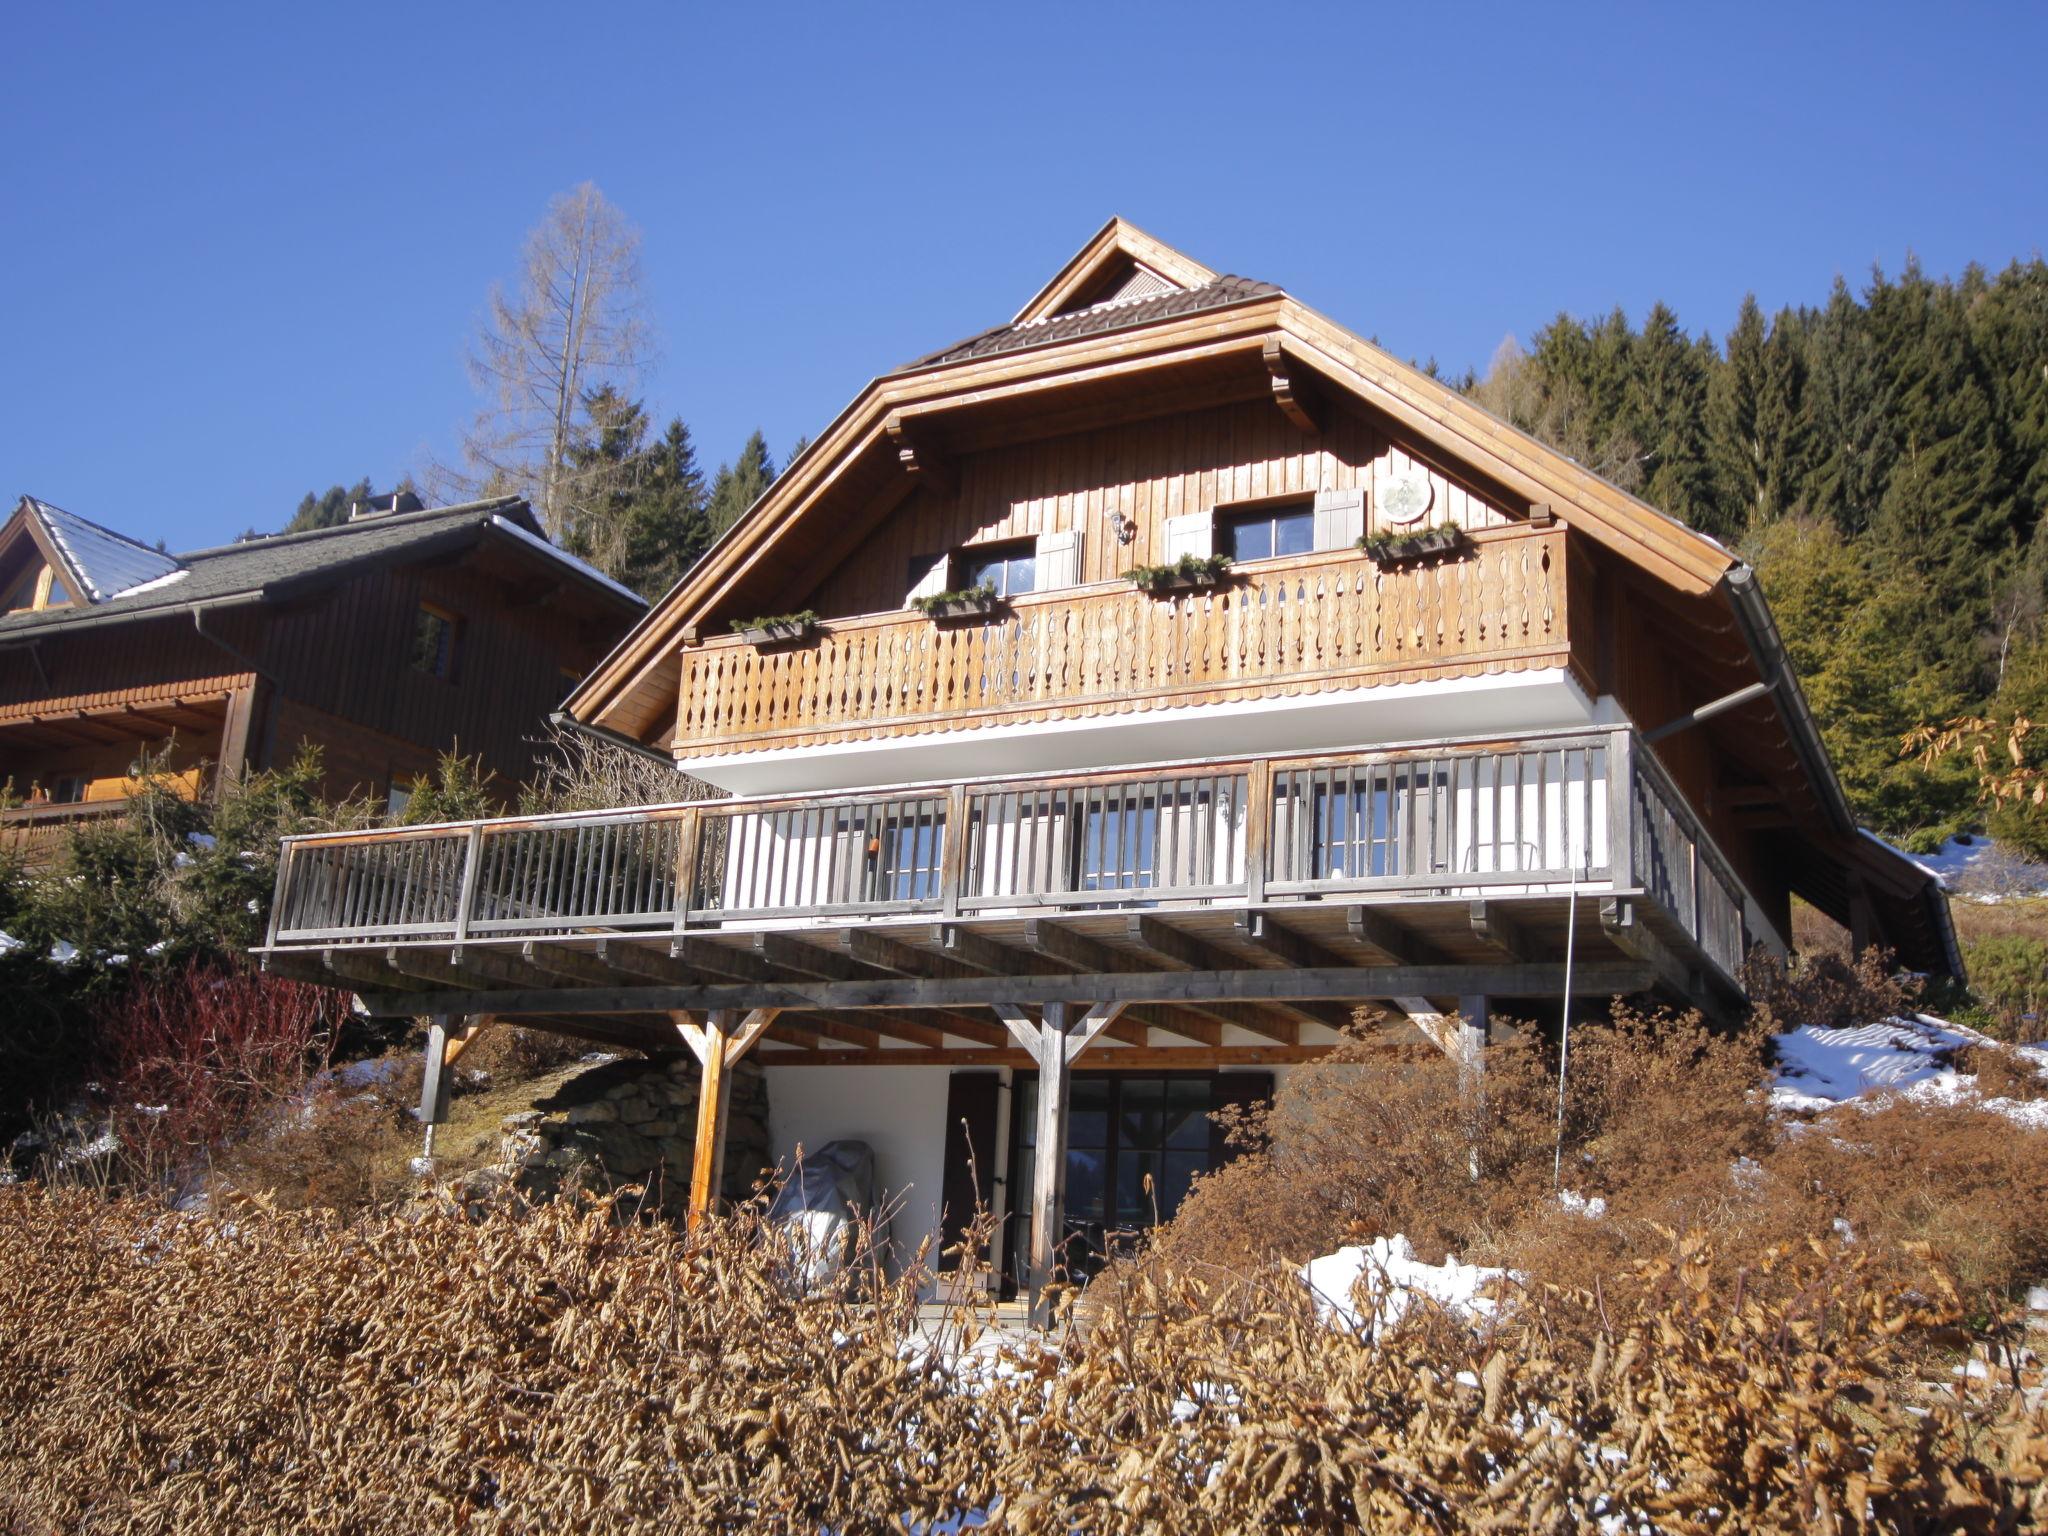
(953, 851)
(277, 890)
(1621, 818)
(689, 839)
(1258, 825)
(465, 901)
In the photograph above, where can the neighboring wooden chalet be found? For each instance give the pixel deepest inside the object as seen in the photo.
(386, 641)
(1401, 707)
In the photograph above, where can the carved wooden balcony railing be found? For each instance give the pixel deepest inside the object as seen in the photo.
(1532, 818)
(1323, 621)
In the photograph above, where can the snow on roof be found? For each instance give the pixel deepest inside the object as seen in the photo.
(108, 563)
(555, 551)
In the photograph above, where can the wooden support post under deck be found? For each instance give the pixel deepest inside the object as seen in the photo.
(1061, 1033)
(718, 1043)
(434, 1084)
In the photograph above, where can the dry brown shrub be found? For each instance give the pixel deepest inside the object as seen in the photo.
(511, 1051)
(1827, 991)
(2003, 1073)
(1657, 1107)
(557, 1370)
(333, 1148)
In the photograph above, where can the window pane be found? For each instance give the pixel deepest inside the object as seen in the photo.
(1133, 1202)
(1088, 1112)
(1187, 1114)
(1020, 574)
(1294, 533)
(1181, 1168)
(1084, 1184)
(1144, 1098)
(1248, 538)
(59, 593)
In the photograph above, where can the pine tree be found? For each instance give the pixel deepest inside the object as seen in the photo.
(740, 485)
(329, 510)
(1666, 408)
(639, 512)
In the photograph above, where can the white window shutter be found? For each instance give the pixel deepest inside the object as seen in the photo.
(1194, 534)
(933, 581)
(1340, 519)
(1059, 559)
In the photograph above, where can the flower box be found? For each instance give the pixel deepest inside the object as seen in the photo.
(1391, 549)
(1189, 574)
(782, 629)
(975, 602)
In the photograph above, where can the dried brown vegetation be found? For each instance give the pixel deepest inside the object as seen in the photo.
(560, 1369)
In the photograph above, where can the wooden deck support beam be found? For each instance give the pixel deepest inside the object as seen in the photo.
(718, 1042)
(1059, 1034)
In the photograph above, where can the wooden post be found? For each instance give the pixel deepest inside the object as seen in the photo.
(1258, 821)
(1060, 1034)
(1049, 1177)
(718, 1043)
(433, 1108)
(714, 1098)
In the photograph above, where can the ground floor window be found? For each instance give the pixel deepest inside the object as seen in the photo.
(1135, 1142)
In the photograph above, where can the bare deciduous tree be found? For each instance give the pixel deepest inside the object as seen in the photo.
(578, 320)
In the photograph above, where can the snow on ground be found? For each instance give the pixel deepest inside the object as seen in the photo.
(1980, 868)
(1386, 1276)
(1913, 1057)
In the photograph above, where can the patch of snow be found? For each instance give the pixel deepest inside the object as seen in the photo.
(1911, 1057)
(367, 1072)
(1591, 1207)
(154, 584)
(9, 943)
(1388, 1279)
(254, 905)
(115, 959)
(63, 953)
(201, 839)
(1982, 868)
(157, 948)
(2037, 1298)
(566, 558)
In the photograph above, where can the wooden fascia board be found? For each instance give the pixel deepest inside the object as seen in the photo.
(1660, 544)
(1116, 238)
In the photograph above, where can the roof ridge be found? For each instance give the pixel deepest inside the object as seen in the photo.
(79, 517)
(356, 525)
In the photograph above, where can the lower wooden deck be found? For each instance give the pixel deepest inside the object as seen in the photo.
(1230, 984)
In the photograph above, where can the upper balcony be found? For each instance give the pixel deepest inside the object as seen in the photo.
(1291, 626)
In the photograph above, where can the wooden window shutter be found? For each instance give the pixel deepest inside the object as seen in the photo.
(1194, 534)
(1234, 1090)
(1059, 559)
(971, 1099)
(1340, 518)
(933, 581)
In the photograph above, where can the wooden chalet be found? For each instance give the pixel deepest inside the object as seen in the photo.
(1402, 708)
(385, 641)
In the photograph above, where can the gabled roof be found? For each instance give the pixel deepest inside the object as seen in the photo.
(96, 563)
(286, 564)
(1126, 314)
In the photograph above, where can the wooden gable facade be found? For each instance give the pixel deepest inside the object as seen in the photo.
(1410, 712)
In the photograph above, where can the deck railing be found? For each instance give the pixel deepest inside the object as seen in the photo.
(1278, 627)
(1536, 817)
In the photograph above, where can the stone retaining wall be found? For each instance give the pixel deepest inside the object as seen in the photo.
(629, 1122)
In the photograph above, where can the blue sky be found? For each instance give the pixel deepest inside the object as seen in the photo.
(241, 250)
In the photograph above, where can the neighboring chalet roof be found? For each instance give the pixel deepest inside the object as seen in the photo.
(1131, 319)
(97, 563)
(288, 564)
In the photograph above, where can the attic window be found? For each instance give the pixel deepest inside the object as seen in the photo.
(39, 587)
(433, 641)
(1136, 283)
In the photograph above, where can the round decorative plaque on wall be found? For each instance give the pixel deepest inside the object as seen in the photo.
(1404, 495)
